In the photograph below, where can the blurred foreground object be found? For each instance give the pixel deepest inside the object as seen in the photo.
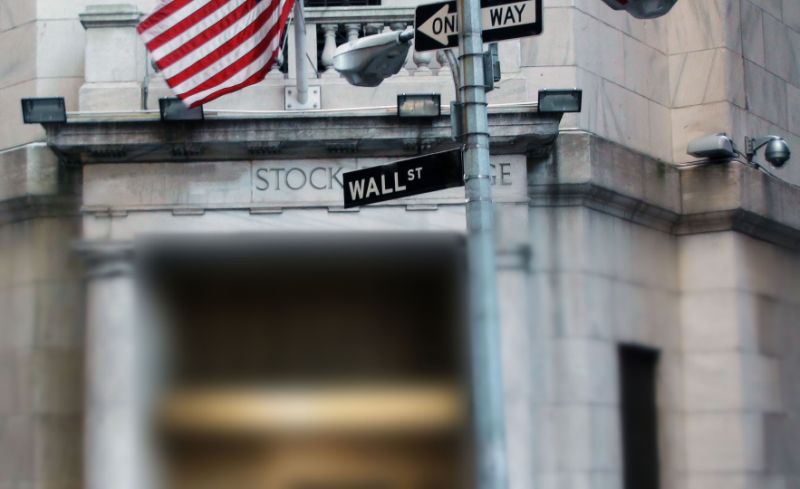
(356, 409)
(310, 437)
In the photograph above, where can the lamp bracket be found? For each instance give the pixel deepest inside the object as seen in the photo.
(751, 145)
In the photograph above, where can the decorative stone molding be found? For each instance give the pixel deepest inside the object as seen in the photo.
(368, 134)
(35, 183)
(114, 15)
(377, 15)
(603, 200)
(588, 171)
(39, 206)
(106, 259)
(271, 148)
(342, 147)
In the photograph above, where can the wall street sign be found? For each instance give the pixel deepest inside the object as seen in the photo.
(405, 178)
(436, 24)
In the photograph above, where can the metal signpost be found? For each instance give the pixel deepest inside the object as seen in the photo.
(491, 469)
(414, 176)
(436, 24)
(465, 24)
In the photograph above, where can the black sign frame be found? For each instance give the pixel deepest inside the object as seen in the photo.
(420, 175)
(424, 12)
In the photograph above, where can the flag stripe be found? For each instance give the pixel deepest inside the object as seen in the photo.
(159, 22)
(202, 46)
(164, 10)
(197, 73)
(255, 78)
(246, 72)
(204, 24)
(242, 65)
(177, 28)
(208, 48)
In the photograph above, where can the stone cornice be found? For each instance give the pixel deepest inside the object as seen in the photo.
(106, 259)
(584, 170)
(355, 14)
(588, 171)
(37, 206)
(604, 200)
(116, 15)
(523, 132)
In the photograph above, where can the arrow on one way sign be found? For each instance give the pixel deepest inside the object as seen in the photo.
(501, 20)
(441, 26)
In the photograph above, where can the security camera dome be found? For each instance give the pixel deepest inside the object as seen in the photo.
(777, 152)
(643, 9)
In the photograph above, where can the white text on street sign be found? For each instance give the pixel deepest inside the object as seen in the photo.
(501, 20)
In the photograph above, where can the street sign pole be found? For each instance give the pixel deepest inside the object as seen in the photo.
(484, 326)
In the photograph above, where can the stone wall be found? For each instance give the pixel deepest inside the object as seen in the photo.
(741, 341)
(41, 355)
(651, 85)
(596, 283)
(41, 323)
(654, 85)
(43, 46)
(743, 53)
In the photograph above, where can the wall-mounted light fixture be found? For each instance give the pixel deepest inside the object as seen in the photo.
(46, 110)
(560, 101)
(173, 109)
(416, 105)
(714, 146)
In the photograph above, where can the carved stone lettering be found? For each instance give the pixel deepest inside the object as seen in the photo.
(319, 183)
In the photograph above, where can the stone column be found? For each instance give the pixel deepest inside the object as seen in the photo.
(116, 59)
(422, 60)
(115, 449)
(311, 51)
(329, 49)
(444, 67)
(352, 31)
(518, 348)
(373, 28)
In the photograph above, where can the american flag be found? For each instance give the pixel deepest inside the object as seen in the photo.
(207, 48)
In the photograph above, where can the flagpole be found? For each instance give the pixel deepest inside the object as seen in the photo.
(300, 52)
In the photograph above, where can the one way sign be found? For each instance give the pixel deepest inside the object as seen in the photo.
(437, 23)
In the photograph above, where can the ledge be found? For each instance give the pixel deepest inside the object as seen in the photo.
(33, 184)
(359, 15)
(34, 207)
(523, 131)
(116, 15)
(585, 170)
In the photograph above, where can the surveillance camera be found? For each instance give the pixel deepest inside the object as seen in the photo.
(365, 62)
(715, 146)
(777, 152)
(643, 9)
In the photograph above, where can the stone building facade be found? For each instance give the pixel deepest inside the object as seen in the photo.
(604, 239)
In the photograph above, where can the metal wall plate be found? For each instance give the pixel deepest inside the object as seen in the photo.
(290, 101)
